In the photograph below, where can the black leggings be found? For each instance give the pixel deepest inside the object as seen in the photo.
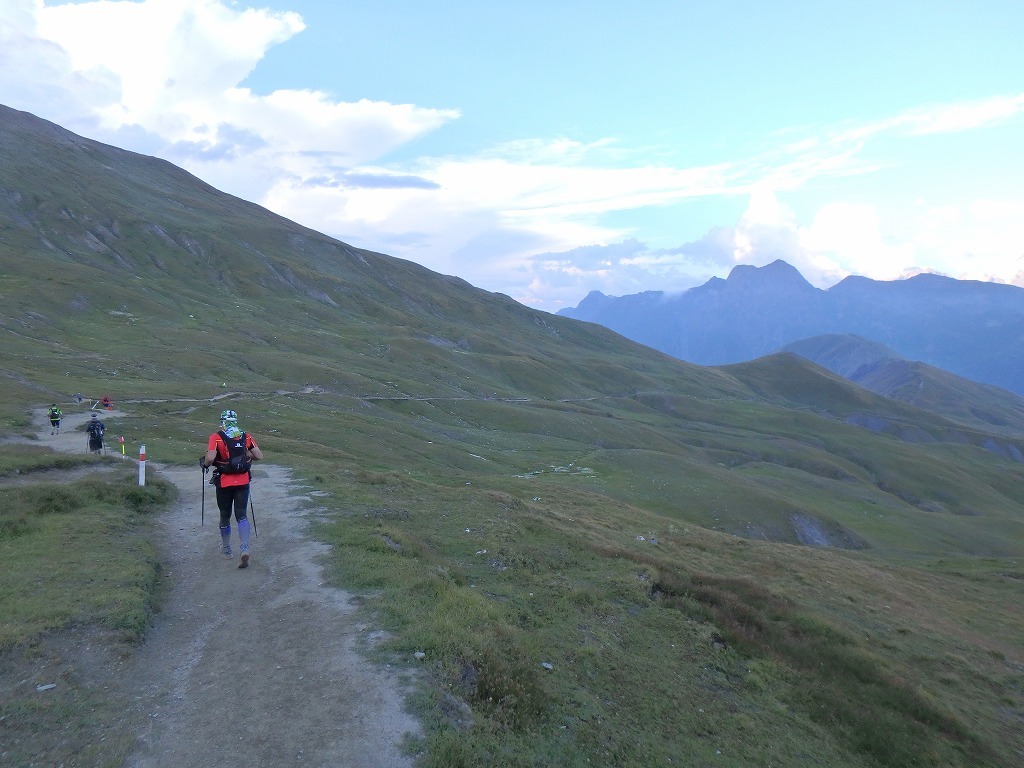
(238, 496)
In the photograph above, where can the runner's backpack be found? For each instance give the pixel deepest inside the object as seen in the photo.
(55, 413)
(95, 428)
(238, 462)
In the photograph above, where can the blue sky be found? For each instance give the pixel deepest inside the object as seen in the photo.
(547, 149)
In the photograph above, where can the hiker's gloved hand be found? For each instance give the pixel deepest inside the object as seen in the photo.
(202, 464)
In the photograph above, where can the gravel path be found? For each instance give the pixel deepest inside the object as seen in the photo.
(255, 667)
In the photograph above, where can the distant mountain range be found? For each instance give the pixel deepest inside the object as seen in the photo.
(969, 328)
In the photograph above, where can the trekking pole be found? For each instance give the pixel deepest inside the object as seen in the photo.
(252, 510)
(202, 514)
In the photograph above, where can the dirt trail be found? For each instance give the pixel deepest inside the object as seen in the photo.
(254, 667)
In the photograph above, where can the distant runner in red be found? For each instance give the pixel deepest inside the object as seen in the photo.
(230, 452)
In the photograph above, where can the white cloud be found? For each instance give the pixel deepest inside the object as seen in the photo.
(164, 76)
(173, 59)
(532, 203)
(980, 240)
(950, 118)
(528, 217)
(983, 240)
(848, 238)
(36, 74)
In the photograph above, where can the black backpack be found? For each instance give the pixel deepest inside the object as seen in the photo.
(95, 428)
(238, 462)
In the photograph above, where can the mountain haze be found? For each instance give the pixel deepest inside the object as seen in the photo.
(970, 328)
(598, 553)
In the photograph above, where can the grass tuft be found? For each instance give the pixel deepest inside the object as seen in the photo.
(501, 679)
(839, 683)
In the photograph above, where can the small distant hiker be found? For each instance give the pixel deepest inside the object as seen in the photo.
(230, 452)
(55, 415)
(78, 398)
(95, 428)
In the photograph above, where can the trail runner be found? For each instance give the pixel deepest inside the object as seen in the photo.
(230, 451)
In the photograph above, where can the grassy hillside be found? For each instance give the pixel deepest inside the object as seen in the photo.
(842, 353)
(748, 565)
(882, 371)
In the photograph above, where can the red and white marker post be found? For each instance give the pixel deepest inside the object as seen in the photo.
(142, 464)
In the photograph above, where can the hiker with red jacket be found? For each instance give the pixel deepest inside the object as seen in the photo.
(230, 451)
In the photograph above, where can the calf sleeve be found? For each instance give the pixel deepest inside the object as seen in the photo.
(243, 534)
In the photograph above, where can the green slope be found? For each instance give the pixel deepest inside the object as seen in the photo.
(637, 512)
(879, 369)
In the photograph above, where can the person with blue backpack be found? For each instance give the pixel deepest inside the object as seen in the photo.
(230, 452)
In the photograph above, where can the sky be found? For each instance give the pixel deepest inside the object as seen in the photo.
(547, 148)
